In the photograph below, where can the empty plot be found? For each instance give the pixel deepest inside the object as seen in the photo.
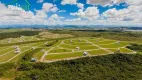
(39, 54)
(81, 47)
(63, 56)
(122, 50)
(7, 56)
(97, 52)
(125, 50)
(80, 43)
(60, 50)
(11, 54)
(121, 44)
(6, 50)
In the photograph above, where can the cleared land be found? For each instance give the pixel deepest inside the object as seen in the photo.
(64, 49)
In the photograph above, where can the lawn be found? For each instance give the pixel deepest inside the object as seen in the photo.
(125, 50)
(39, 54)
(64, 50)
(64, 56)
(97, 52)
(121, 44)
(56, 50)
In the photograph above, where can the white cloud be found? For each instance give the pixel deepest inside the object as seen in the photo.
(56, 17)
(73, 20)
(61, 11)
(111, 2)
(132, 13)
(80, 5)
(41, 14)
(49, 7)
(40, 1)
(130, 2)
(64, 2)
(54, 9)
(16, 15)
(91, 13)
(99, 2)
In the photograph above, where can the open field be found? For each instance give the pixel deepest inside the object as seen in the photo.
(63, 49)
(37, 50)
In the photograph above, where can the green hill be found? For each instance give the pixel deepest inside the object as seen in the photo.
(108, 67)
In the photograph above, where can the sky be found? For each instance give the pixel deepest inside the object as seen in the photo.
(71, 12)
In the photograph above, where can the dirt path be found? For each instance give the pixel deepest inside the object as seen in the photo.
(99, 47)
(17, 55)
(46, 52)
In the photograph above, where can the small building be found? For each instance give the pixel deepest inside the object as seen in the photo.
(85, 53)
(9, 41)
(118, 42)
(79, 40)
(33, 60)
(78, 48)
(17, 49)
(33, 48)
(71, 41)
(46, 43)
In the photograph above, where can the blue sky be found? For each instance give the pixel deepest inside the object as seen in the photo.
(74, 12)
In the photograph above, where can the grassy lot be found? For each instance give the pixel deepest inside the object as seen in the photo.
(63, 56)
(63, 46)
(125, 50)
(56, 50)
(39, 54)
(121, 44)
(97, 52)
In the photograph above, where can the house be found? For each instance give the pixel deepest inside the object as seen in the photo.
(85, 53)
(17, 50)
(78, 48)
(33, 48)
(79, 40)
(71, 41)
(33, 60)
(117, 42)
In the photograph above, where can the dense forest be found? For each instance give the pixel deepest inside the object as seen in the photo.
(18, 34)
(108, 67)
(124, 36)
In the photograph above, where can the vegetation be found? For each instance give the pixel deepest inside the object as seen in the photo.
(109, 67)
(125, 36)
(135, 47)
(18, 34)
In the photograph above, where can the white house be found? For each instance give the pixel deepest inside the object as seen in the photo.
(85, 53)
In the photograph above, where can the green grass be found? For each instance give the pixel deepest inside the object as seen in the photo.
(68, 48)
(121, 44)
(7, 56)
(56, 50)
(63, 56)
(113, 50)
(98, 52)
(80, 43)
(81, 47)
(3, 51)
(12, 54)
(74, 41)
(125, 50)
(39, 54)
(122, 50)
